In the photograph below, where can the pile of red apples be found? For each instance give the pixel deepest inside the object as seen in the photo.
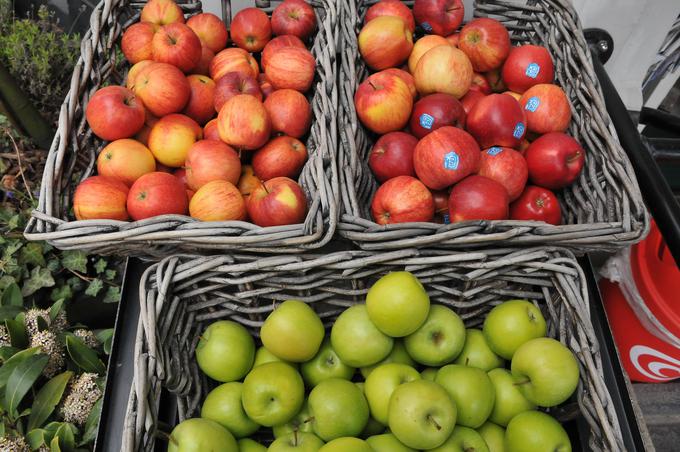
(203, 128)
(468, 127)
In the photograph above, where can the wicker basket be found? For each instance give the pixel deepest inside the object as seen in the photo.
(179, 297)
(74, 150)
(602, 210)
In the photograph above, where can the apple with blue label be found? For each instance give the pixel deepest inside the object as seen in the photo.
(547, 108)
(526, 66)
(439, 17)
(507, 167)
(434, 111)
(497, 120)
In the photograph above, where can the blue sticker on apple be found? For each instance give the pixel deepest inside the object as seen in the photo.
(426, 121)
(447, 220)
(532, 70)
(426, 26)
(494, 150)
(519, 130)
(451, 161)
(532, 104)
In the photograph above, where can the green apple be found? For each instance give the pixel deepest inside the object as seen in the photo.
(346, 444)
(199, 435)
(296, 442)
(509, 399)
(421, 414)
(429, 374)
(397, 304)
(535, 431)
(301, 422)
(397, 355)
(493, 435)
(439, 340)
(326, 364)
(273, 394)
(476, 352)
(471, 390)
(356, 339)
(225, 351)
(293, 332)
(380, 385)
(387, 442)
(510, 324)
(463, 439)
(249, 445)
(338, 408)
(263, 356)
(223, 405)
(547, 371)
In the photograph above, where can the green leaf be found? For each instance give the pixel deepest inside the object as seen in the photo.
(16, 359)
(83, 356)
(7, 352)
(75, 261)
(32, 254)
(9, 312)
(12, 247)
(47, 399)
(13, 222)
(21, 379)
(94, 287)
(112, 294)
(63, 292)
(17, 332)
(55, 309)
(53, 265)
(35, 438)
(110, 275)
(54, 444)
(100, 266)
(92, 424)
(11, 296)
(105, 337)
(6, 281)
(40, 277)
(66, 435)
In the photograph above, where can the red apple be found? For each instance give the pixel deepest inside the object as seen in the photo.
(403, 199)
(392, 156)
(486, 42)
(181, 174)
(497, 120)
(136, 42)
(383, 103)
(243, 122)
(251, 29)
(441, 206)
(480, 83)
(177, 44)
(555, 160)
(421, 47)
(434, 111)
(100, 198)
(538, 204)
(547, 108)
(391, 8)
(282, 157)
(203, 66)
(210, 130)
(441, 17)
(517, 96)
(454, 39)
(443, 69)
(291, 67)
(470, 100)
(385, 42)
(478, 198)
(218, 200)
(114, 112)
(134, 71)
(209, 160)
(506, 166)
(526, 66)
(248, 181)
(445, 156)
(162, 12)
(210, 30)
(171, 137)
(232, 84)
(156, 194)
(163, 89)
(200, 107)
(233, 59)
(405, 76)
(290, 112)
(294, 17)
(495, 80)
(277, 202)
(278, 43)
(125, 160)
(266, 87)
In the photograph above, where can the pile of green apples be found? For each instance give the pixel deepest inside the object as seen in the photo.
(395, 374)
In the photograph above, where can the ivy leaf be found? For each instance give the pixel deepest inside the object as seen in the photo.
(110, 275)
(47, 399)
(112, 294)
(17, 332)
(61, 293)
(100, 266)
(76, 284)
(12, 247)
(35, 438)
(11, 296)
(6, 281)
(83, 356)
(40, 277)
(13, 222)
(74, 260)
(22, 378)
(16, 359)
(53, 265)
(92, 424)
(32, 254)
(105, 337)
(95, 286)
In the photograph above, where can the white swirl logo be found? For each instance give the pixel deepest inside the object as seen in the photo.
(653, 364)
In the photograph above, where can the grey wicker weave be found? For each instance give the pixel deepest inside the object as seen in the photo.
(602, 210)
(180, 296)
(74, 150)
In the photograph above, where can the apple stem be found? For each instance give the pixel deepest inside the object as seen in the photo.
(431, 419)
(170, 438)
(309, 419)
(295, 438)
